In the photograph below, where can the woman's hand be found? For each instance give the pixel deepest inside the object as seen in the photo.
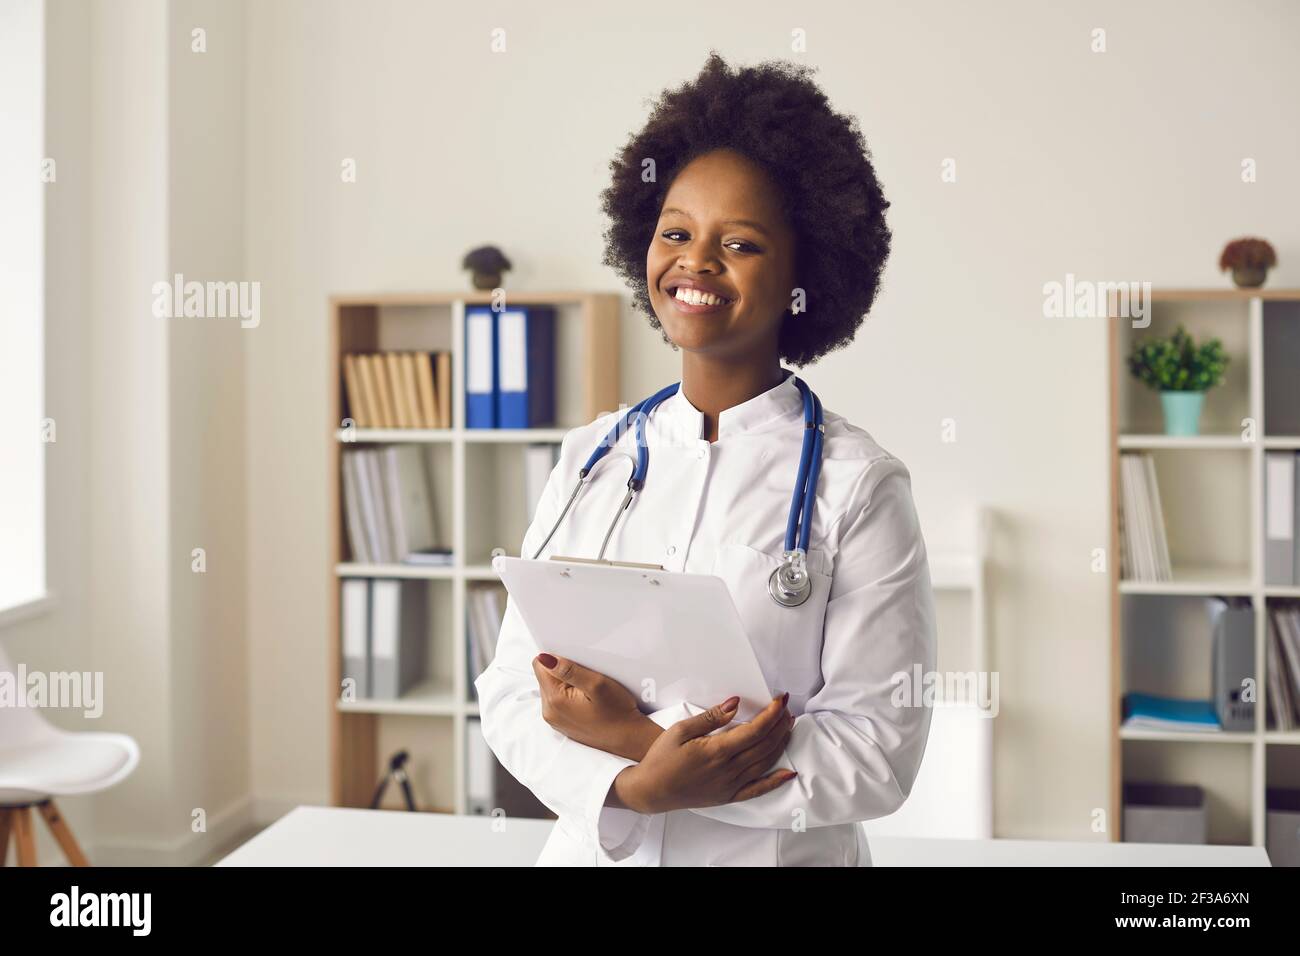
(592, 709)
(684, 768)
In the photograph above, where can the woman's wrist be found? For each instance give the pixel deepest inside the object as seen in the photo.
(625, 793)
(642, 733)
(631, 738)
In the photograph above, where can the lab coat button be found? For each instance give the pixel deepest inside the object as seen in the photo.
(672, 549)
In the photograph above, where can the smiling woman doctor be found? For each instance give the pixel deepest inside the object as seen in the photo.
(762, 196)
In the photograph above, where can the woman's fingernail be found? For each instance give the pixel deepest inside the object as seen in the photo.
(730, 704)
(789, 776)
(547, 660)
(786, 699)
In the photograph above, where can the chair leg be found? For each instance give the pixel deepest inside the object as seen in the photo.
(4, 834)
(22, 820)
(62, 832)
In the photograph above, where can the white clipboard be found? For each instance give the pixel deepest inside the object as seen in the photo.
(672, 636)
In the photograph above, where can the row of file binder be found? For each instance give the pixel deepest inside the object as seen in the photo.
(385, 627)
(509, 367)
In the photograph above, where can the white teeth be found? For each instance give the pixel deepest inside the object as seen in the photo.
(696, 297)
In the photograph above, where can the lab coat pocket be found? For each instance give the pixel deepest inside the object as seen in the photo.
(787, 640)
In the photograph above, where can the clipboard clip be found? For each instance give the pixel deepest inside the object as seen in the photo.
(608, 563)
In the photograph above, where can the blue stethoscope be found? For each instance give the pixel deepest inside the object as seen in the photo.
(789, 584)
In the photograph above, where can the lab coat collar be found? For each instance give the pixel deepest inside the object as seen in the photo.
(778, 402)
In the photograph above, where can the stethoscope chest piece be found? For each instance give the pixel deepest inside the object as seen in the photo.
(790, 584)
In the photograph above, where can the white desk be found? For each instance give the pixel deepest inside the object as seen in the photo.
(334, 836)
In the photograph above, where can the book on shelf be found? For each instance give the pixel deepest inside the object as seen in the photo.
(388, 506)
(1281, 519)
(540, 459)
(1153, 712)
(431, 557)
(1282, 660)
(1232, 652)
(526, 367)
(397, 385)
(442, 387)
(484, 614)
(398, 389)
(398, 636)
(1144, 551)
(354, 619)
(480, 789)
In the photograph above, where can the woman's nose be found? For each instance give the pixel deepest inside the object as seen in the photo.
(698, 260)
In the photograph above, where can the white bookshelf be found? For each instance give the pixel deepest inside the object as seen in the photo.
(478, 489)
(1211, 488)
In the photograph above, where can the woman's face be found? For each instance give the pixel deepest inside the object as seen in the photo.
(721, 229)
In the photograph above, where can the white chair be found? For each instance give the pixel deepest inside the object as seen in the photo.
(39, 762)
(952, 796)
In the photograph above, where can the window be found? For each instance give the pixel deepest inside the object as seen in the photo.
(23, 429)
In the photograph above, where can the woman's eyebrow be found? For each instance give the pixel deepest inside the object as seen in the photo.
(726, 222)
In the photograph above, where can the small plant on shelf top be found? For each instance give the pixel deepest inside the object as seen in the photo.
(1249, 259)
(1182, 372)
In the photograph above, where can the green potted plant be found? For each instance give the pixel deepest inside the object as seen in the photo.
(1181, 371)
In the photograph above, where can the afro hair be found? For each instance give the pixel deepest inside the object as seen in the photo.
(774, 115)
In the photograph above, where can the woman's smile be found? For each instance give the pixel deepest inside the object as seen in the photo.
(687, 297)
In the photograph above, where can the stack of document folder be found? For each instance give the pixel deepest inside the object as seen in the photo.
(388, 506)
(484, 615)
(1282, 658)
(1150, 712)
(1144, 554)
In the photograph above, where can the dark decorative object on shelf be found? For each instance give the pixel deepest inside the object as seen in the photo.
(1249, 259)
(488, 264)
(397, 774)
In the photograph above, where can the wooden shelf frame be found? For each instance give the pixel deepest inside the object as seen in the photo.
(1190, 582)
(355, 327)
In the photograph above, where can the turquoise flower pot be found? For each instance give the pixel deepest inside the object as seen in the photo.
(1182, 412)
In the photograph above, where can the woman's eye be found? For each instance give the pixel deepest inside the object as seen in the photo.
(738, 245)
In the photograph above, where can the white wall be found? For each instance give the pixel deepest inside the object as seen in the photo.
(22, 385)
(206, 395)
(1122, 165)
(129, 414)
(149, 461)
(58, 640)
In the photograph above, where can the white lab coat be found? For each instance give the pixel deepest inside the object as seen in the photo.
(721, 509)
